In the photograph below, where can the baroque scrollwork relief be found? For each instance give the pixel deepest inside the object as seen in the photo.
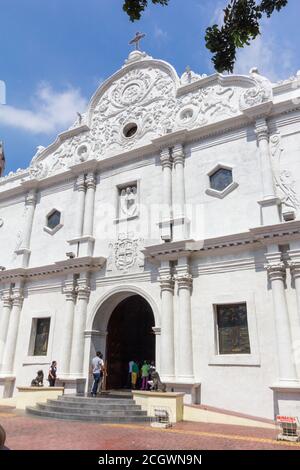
(203, 106)
(144, 102)
(284, 181)
(70, 152)
(259, 93)
(141, 96)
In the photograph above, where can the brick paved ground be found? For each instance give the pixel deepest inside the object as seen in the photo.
(24, 432)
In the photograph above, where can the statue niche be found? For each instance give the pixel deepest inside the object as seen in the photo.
(128, 202)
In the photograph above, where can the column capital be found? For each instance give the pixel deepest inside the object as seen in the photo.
(69, 292)
(166, 281)
(91, 180)
(6, 300)
(80, 183)
(17, 299)
(261, 129)
(83, 290)
(30, 198)
(156, 330)
(295, 268)
(276, 271)
(165, 158)
(178, 154)
(183, 277)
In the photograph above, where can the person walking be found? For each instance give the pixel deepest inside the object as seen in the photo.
(97, 371)
(145, 375)
(134, 374)
(52, 374)
(130, 364)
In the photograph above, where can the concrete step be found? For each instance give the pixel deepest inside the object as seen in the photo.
(92, 405)
(92, 411)
(86, 417)
(98, 400)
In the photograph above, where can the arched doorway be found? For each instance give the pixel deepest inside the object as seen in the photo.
(130, 337)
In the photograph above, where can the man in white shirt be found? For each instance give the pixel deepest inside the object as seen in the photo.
(97, 370)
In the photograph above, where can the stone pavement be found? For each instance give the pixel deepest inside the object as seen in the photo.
(25, 432)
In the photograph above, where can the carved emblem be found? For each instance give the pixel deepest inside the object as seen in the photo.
(125, 253)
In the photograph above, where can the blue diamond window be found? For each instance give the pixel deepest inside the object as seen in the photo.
(53, 219)
(221, 179)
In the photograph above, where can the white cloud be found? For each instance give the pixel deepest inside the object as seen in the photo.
(218, 14)
(51, 111)
(160, 33)
(274, 59)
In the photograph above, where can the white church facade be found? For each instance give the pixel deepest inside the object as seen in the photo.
(164, 225)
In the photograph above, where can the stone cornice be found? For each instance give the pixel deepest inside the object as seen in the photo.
(253, 239)
(74, 265)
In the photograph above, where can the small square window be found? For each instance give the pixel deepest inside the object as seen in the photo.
(232, 325)
(42, 329)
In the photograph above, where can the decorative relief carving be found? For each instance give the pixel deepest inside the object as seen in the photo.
(128, 202)
(146, 96)
(140, 96)
(258, 94)
(284, 181)
(70, 152)
(125, 253)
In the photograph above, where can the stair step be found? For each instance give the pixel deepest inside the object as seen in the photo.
(99, 400)
(92, 405)
(108, 412)
(86, 417)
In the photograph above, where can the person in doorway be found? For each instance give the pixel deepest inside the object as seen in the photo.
(52, 374)
(134, 374)
(97, 371)
(130, 364)
(145, 374)
(2, 439)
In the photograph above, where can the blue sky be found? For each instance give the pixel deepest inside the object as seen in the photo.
(55, 53)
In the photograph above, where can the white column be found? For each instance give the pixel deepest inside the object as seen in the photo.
(80, 184)
(166, 163)
(179, 221)
(12, 332)
(24, 251)
(77, 355)
(67, 327)
(269, 204)
(30, 209)
(89, 205)
(276, 272)
(167, 366)
(184, 282)
(4, 321)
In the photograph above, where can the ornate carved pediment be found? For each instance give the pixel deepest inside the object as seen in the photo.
(143, 101)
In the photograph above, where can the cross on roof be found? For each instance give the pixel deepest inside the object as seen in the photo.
(136, 40)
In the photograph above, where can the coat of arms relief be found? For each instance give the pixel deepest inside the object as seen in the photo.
(125, 254)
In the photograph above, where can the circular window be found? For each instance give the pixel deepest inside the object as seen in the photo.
(130, 129)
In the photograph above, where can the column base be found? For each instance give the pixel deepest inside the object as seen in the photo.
(287, 398)
(191, 390)
(180, 228)
(269, 208)
(72, 385)
(7, 385)
(23, 255)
